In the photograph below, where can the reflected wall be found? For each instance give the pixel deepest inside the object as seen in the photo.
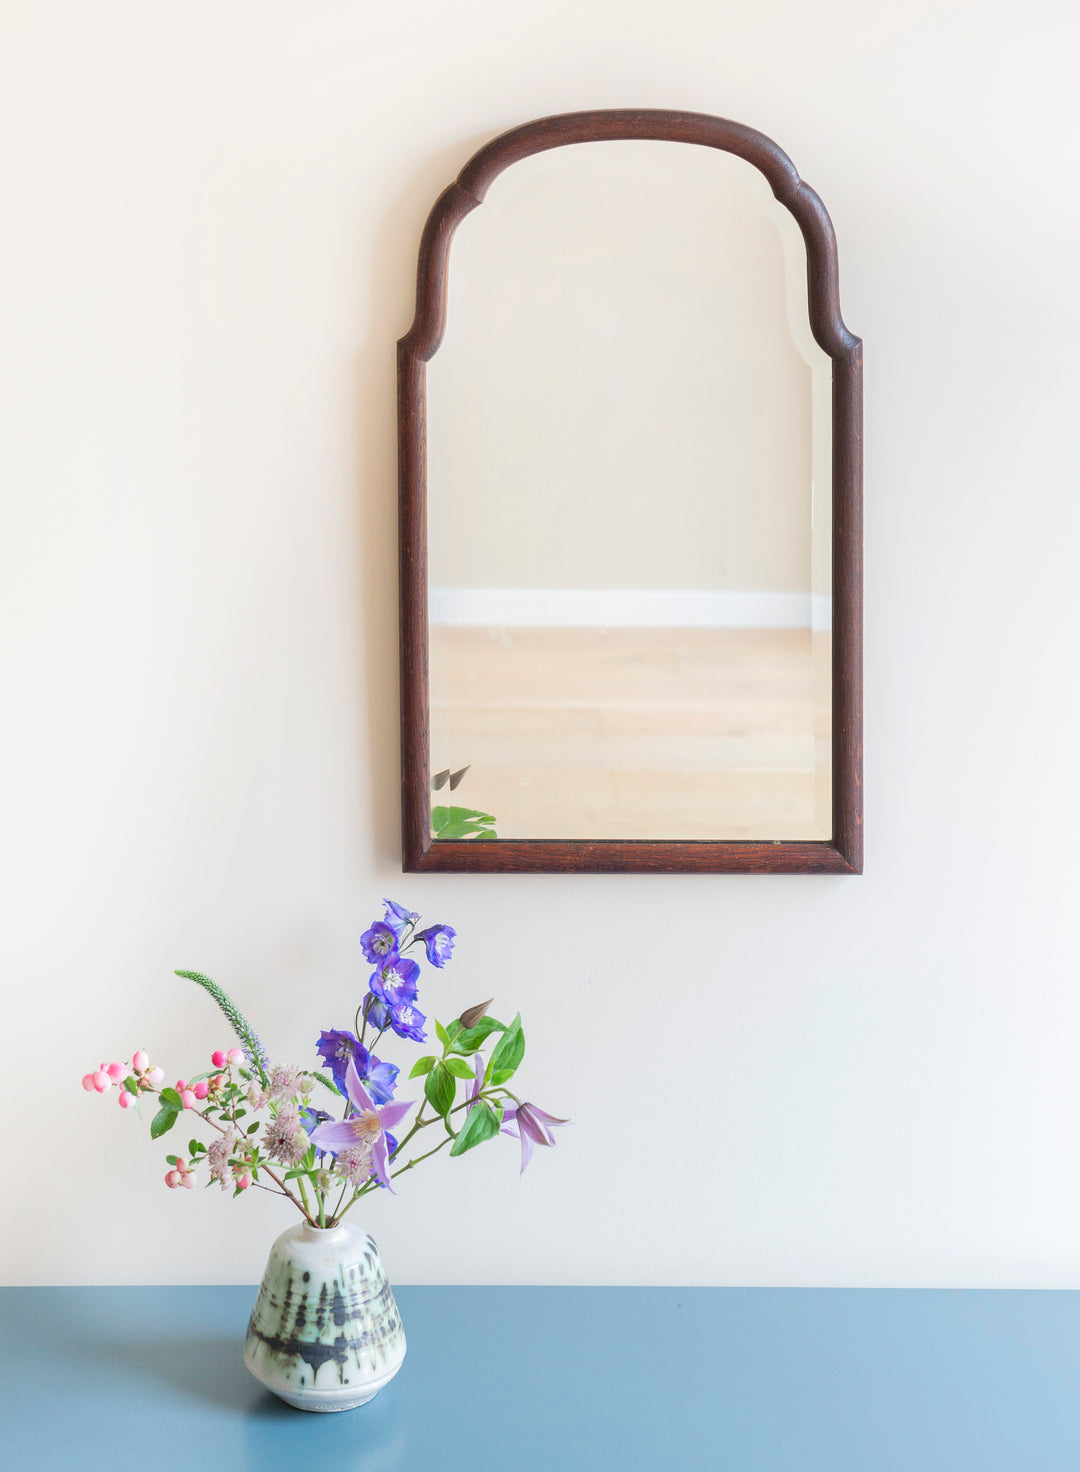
(629, 507)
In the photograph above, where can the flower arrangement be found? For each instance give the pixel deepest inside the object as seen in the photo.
(269, 1129)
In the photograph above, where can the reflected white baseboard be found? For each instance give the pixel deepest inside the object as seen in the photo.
(626, 608)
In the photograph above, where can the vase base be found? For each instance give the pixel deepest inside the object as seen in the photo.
(332, 1403)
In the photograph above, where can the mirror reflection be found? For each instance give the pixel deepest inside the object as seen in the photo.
(629, 509)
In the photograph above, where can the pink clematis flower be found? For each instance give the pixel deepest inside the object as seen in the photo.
(532, 1126)
(366, 1127)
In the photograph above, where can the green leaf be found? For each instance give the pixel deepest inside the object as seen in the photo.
(459, 1068)
(440, 1088)
(163, 1121)
(170, 1160)
(501, 1076)
(509, 1051)
(442, 1034)
(451, 823)
(132, 1086)
(193, 1147)
(480, 1125)
(171, 1098)
(253, 1127)
(294, 1175)
(472, 1038)
(453, 1028)
(422, 1065)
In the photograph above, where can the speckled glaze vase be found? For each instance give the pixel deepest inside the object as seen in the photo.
(325, 1333)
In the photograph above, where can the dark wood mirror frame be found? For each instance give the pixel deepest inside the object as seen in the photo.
(843, 853)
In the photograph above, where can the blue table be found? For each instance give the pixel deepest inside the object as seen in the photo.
(560, 1380)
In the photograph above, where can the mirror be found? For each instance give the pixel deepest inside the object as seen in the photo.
(630, 477)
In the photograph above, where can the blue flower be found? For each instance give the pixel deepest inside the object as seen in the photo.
(394, 981)
(438, 942)
(407, 1022)
(336, 1048)
(397, 917)
(379, 942)
(378, 1014)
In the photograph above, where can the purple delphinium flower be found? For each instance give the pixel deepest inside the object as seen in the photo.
(380, 942)
(365, 1128)
(397, 916)
(378, 1014)
(532, 1126)
(312, 1118)
(337, 1047)
(438, 942)
(394, 981)
(407, 1022)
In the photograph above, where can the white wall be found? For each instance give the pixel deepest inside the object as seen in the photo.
(211, 217)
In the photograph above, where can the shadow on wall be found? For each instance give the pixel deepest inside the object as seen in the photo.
(391, 290)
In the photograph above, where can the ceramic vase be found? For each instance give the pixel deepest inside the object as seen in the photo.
(325, 1333)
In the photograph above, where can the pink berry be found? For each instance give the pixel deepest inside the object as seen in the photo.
(155, 1078)
(181, 1164)
(102, 1081)
(116, 1072)
(219, 1059)
(126, 1099)
(189, 1179)
(88, 1083)
(180, 1086)
(243, 1183)
(201, 1089)
(141, 1061)
(235, 1055)
(174, 1179)
(187, 1098)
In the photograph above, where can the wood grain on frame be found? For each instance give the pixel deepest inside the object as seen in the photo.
(843, 854)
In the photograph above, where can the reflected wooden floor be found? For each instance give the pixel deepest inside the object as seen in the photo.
(636, 733)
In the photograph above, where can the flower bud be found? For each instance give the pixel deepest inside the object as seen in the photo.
(88, 1083)
(156, 1077)
(141, 1061)
(126, 1099)
(173, 1179)
(243, 1183)
(102, 1081)
(235, 1055)
(187, 1098)
(116, 1072)
(219, 1058)
(201, 1089)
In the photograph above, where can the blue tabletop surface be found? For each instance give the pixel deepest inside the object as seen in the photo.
(560, 1380)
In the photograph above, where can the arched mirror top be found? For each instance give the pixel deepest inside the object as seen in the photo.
(623, 124)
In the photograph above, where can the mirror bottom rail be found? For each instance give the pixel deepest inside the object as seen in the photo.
(605, 856)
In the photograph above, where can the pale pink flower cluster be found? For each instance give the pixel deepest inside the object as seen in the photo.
(103, 1078)
(354, 1164)
(217, 1157)
(286, 1082)
(285, 1138)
